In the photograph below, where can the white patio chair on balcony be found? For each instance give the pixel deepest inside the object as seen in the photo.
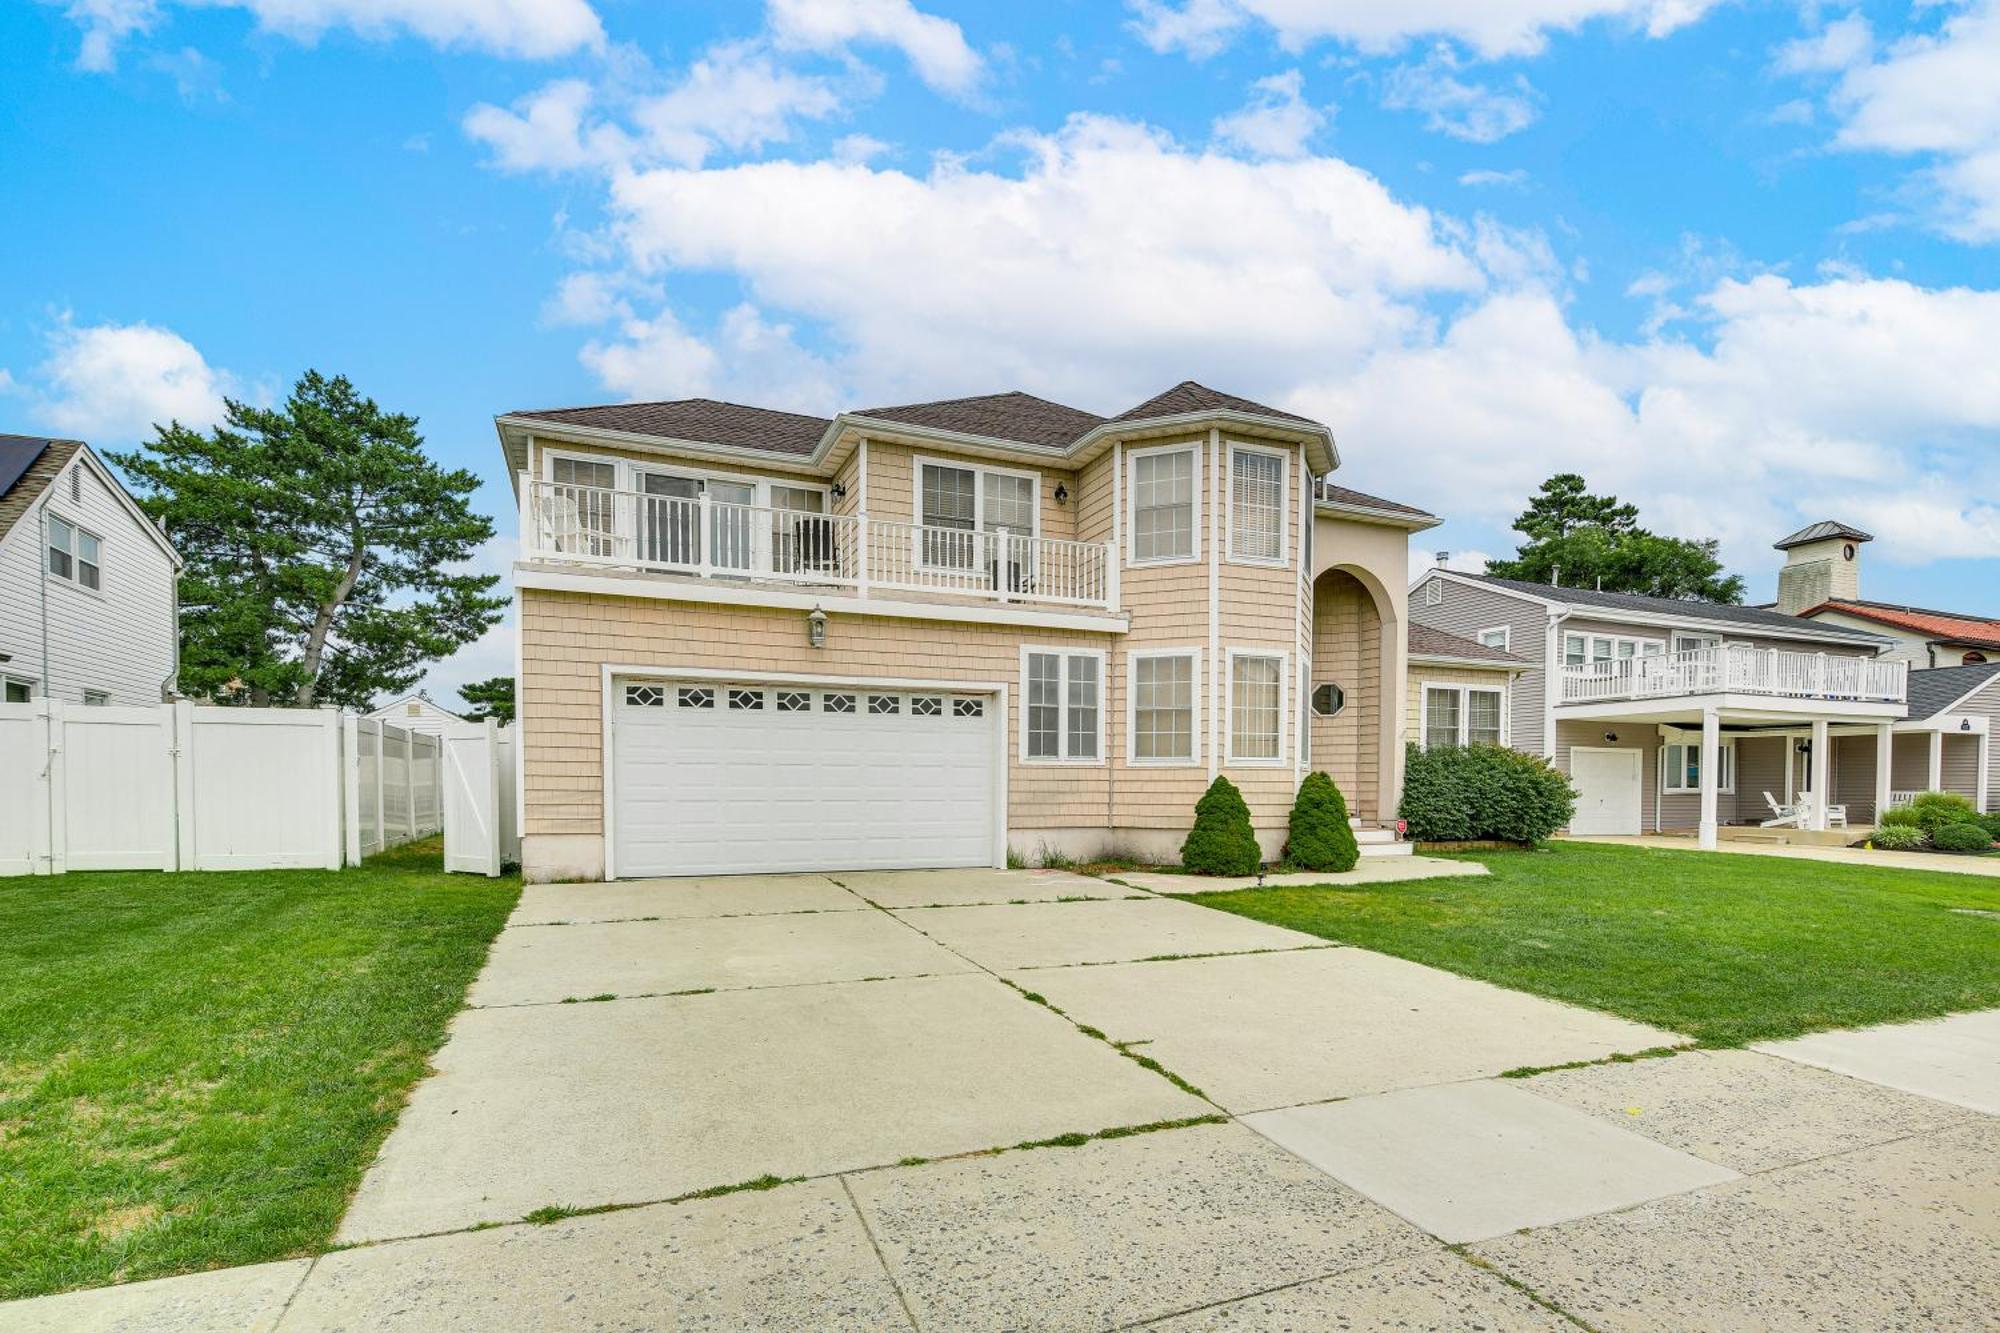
(1789, 816)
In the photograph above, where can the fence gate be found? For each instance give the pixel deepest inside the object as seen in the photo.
(113, 771)
(473, 798)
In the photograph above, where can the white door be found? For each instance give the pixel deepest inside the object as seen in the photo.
(1607, 785)
(714, 777)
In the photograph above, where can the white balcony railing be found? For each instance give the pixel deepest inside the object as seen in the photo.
(1737, 669)
(758, 543)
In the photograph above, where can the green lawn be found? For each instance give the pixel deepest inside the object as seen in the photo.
(1726, 948)
(194, 1069)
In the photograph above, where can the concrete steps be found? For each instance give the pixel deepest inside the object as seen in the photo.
(1374, 840)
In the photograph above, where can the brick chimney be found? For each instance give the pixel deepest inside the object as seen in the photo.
(1822, 564)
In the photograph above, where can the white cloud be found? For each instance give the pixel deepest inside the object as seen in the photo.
(748, 359)
(935, 47)
(1839, 45)
(111, 383)
(947, 282)
(1277, 121)
(1490, 27)
(1483, 176)
(735, 97)
(1936, 94)
(858, 148)
(530, 29)
(1469, 111)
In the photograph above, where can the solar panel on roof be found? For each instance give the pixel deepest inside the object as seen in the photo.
(17, 455)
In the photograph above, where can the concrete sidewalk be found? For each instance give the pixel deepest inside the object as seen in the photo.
(1011, 1100)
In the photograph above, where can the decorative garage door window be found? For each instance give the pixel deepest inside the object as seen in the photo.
(696, 696)
(794, 701)
(645, 696)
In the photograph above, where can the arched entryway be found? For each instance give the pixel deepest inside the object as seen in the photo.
(1348, 654)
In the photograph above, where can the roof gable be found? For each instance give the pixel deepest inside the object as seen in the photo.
(40, 463)
(1941, 689)
(1014, 415)
(1187, 397)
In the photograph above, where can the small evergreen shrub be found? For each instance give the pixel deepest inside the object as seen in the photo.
(1991, 823)
(1456, 793)
(1966, 836)
(1221, 841)
(1321, 838)
(1901, 816)
(1935, 809)
(1899, 838)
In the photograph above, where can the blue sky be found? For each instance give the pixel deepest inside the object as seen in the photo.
(1735, 261)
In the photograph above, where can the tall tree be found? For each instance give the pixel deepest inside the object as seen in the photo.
(1579, 540)
(492, 697)
(320, 542)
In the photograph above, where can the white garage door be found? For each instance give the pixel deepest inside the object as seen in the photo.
(718, 777)
(1607, 785)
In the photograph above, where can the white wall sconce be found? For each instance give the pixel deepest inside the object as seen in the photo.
(816, 628)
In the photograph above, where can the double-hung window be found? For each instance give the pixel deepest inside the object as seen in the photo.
(1584, 649)
(1062, 713)
(1163, 693)
(1464, 715)
(1256, 505)
(1165, 483)
(1682, 761)
(955, 505)
(1256, 707)
(74, 554)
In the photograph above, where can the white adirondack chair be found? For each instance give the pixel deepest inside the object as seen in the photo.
(1790, 816)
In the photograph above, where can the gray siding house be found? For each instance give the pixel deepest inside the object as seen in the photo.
(1676, 715)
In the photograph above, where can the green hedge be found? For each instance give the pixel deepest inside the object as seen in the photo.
(1221, 841)
(1321, 838)
(1932, 810)
(1454, 793)
(1967, 836)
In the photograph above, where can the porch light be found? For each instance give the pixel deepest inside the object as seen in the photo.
(1965, 724)
(1611, 738)
(816, 628)
(1062, 494)
(838, 490)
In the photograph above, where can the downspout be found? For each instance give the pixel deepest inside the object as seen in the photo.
(42, 583)
(1551, 680)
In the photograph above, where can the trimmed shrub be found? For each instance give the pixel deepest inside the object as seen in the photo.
(1221, 841)
(1962, 837)
(1935, 809)
(1321, 838)
(1901, 816)
(1899, 838)
(1459, 793)
(1991, 823)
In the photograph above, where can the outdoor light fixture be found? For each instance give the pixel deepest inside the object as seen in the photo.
(1611, 737)
(1965, 724)
(816, 628)
(839, 491)
(1062, 494)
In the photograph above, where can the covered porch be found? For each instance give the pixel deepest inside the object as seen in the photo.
(1706, 764)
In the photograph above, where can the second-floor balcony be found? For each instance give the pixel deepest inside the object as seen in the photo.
(698, 537)
(1737, 669)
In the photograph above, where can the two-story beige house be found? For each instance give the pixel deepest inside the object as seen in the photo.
(927, 635)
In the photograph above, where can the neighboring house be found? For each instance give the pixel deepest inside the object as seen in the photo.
(1672, 714)
(416, 712)
(1821, 581)
(925, 635)
(1951, 740)
(1460, 690)
(87, 582)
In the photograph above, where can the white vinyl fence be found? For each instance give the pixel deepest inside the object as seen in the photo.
(187, 786)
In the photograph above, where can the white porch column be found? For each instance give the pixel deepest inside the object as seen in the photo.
(1711, 764)
(1822, 759)
(1934, 780)
(1885, 747)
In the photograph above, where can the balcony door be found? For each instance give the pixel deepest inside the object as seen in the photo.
(673, 532)
(978, 519)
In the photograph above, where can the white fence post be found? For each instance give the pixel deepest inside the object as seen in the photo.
(184, 790)
(381, 763)
(58, 861)
(350, 786)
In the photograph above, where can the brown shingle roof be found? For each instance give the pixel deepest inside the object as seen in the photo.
(1428, 642)
(1020, 417)
(1819, 532)
(700, 420)
(1342, 496)
(1187, 396)
(38, 477)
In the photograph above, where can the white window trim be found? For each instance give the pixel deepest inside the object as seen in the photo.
(980, 472)
(1506, 633)
(1724, 744)
(1462, 689)
(1132, 457)
(72, 579)
(1132, 660)
(102, 698)
(1230, 757)
(627, 472)
(1639, 645)
(1283, 559)
(26, 682)
(1062, 721)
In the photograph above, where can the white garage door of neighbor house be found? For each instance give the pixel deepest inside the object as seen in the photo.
(1607, 785)
(715, 777)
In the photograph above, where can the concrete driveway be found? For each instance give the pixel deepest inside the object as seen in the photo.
(1029, 1101)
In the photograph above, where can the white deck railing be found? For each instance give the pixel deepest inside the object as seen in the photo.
(759, 543)
(1737, 669)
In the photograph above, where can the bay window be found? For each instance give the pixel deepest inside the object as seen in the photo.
(1256, 505)
(1165, 483)
(1164, 711)
(1256, 707)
